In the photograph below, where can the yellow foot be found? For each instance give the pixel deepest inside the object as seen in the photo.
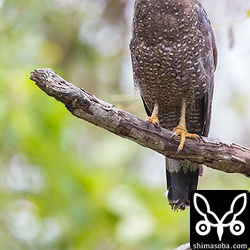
(154, 120)
(182, 132)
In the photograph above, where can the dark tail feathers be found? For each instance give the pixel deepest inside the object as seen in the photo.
(182, 179)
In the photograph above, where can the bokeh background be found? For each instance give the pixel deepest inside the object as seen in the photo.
(66, 184)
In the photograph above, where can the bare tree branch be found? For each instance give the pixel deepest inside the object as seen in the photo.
(227, 157)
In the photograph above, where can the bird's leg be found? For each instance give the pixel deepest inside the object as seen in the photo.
(181, 129)
(154, 116)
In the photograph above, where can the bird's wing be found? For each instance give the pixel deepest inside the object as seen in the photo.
(209, 62)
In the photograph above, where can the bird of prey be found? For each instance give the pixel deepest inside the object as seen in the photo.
(174, 57)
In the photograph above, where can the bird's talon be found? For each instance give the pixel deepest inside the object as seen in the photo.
(200, 139)
(154, 120)
(178, 151)
(173, 135)
(182, 132)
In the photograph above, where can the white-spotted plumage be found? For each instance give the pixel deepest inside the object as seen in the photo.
(174, 57)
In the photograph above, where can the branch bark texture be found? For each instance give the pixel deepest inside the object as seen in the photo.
(227, 157)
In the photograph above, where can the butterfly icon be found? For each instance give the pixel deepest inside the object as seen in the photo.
(236, 227)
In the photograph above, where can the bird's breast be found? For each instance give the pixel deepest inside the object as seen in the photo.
(172, 57)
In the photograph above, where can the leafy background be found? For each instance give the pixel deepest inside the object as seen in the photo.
(65, 184)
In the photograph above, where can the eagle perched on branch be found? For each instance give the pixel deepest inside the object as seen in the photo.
(174, 57)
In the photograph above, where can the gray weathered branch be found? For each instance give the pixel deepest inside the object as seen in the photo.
(227, 157)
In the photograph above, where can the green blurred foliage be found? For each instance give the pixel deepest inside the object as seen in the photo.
(65, 184)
